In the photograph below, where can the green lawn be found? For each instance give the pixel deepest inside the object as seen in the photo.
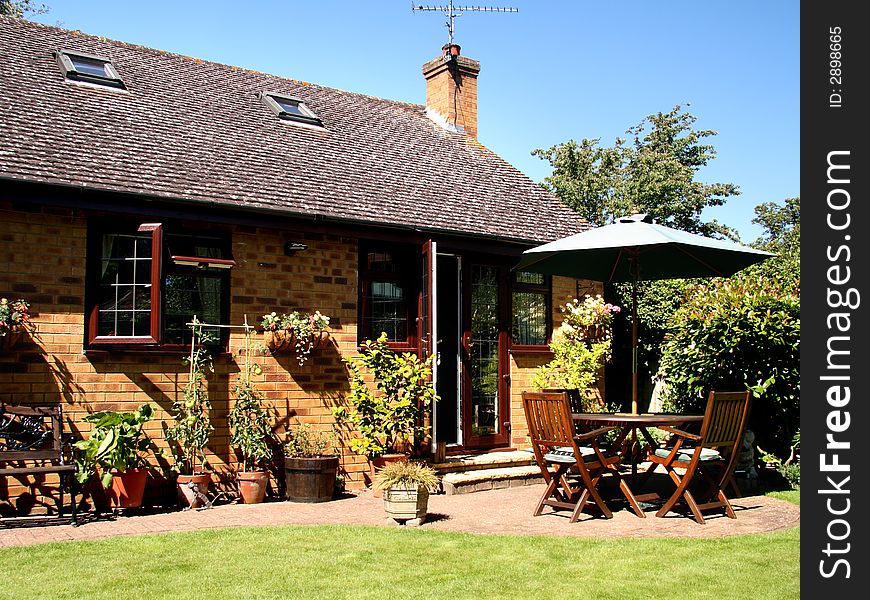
(379, 562)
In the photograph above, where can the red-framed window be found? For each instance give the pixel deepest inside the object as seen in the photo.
(389, 287)
(531, 311)
(146, 281)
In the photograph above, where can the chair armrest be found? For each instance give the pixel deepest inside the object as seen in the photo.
(681, 433)
(593, 434)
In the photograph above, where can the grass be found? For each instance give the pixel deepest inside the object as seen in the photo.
(377, 562)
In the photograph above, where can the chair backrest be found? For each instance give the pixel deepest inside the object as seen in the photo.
(548, 415)
(725, 419)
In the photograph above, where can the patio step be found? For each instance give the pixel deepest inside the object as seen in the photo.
(478, 480)
(464, 473)
(460, 463)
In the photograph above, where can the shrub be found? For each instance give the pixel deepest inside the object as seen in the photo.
(739, 333)
(391, 417)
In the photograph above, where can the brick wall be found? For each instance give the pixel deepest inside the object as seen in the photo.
(42, 253)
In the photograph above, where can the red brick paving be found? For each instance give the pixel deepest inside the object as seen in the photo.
(503, 511)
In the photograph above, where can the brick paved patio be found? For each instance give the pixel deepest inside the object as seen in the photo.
(501, 511)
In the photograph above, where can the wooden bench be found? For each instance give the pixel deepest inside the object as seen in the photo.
(32, 443)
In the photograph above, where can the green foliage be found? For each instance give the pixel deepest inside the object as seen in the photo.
(22, 8)
(304, 441)
(190, 432)
(739, 333)
(388, 419)
(116, 441)
(580, 346)
(406, 473)
(654, 173)
(14, 316)
(250, 429)
(782, 235)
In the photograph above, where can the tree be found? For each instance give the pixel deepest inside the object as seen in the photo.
(782, 235)
(21, 8)
(654, 173)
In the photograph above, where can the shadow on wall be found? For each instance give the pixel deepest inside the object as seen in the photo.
(36, 379)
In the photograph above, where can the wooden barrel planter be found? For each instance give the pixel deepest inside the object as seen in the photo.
(310, 479)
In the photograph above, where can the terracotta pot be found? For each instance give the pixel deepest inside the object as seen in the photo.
(376, 464)
(188, 485)
(127, 488)
(252, 486)
(310, 479)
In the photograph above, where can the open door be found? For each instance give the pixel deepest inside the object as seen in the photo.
(427, 326)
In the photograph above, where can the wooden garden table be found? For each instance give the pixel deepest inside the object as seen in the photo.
(629, 423)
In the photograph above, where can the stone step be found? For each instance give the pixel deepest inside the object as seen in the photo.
(478, 480)
(490, 460)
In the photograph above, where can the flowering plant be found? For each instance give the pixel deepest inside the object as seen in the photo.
(592, 312)
(580, 346)
(305, 327)
(14, 316)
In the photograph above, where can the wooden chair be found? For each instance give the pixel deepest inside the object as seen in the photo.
(556, 446)
(713, 456)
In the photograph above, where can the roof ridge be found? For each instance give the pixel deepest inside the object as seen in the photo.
(207, 61)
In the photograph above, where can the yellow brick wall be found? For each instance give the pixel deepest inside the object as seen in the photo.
(43, 257)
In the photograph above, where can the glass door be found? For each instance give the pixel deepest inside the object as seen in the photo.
(486, 413)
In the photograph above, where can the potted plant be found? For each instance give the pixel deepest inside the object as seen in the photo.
(580, 348)
(116, 446)
(391, 418)
(300, 331)
(406, 486)
(14, 322)
(250, 432)
(310, 464)
(190, 432)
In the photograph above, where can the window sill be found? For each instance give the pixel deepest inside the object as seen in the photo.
(530, 349)
(165, 350)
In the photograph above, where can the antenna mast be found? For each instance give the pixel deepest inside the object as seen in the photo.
(451, 12)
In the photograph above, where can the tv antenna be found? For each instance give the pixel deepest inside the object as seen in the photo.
(451, 12)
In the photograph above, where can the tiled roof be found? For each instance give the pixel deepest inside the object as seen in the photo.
(193, 130)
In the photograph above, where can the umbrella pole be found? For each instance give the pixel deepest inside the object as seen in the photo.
(634, 345)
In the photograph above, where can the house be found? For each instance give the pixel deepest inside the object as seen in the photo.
(139, 188)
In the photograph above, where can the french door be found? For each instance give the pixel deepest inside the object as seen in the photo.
(463, 325)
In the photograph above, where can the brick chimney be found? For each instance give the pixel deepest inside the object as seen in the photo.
(451, 90)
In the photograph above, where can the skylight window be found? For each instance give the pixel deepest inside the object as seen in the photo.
(78, 66)
(290, 108)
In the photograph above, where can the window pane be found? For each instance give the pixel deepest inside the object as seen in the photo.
(484, 350)
(188, 295)
(90, 67)
(290, 107)
(382, 262)
(387, 311)
(527, 277)
(529, 318)
(125, 286)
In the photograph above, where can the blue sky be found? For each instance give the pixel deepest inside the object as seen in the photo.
(555, 70)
